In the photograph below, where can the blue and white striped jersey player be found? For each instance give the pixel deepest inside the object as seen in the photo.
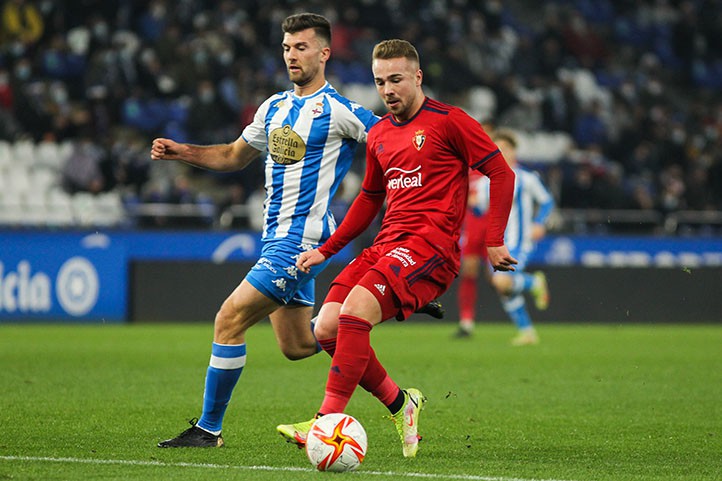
(530, 210)
(310, 134)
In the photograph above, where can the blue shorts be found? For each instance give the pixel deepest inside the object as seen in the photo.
(276, 276)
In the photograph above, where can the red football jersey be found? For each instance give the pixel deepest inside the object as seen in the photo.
(421, 167)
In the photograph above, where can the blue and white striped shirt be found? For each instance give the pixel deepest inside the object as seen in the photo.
(532, 204)
(311, 142)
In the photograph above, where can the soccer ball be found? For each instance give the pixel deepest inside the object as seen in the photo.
(336, 442)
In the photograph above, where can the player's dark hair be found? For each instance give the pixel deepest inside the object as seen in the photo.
(395, 48)
(303, 21)
(506, 135)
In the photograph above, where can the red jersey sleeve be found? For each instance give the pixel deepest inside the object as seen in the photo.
(501, 195)
(474, 145)
(363, 210)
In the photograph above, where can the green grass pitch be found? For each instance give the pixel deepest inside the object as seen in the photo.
(592, 402)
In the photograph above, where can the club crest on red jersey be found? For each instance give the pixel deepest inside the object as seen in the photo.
(419, 139)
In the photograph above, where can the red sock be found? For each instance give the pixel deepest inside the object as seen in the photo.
(374, 380)
(467, 297)
(353, 351)
(328, 345)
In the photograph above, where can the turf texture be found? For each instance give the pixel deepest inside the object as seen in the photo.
(591, 402)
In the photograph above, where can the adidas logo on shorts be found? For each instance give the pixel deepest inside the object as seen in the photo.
(381, 288)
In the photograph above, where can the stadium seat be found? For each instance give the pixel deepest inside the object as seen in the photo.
(543, 147)
(35, 207)
(59, 208)
(48, 154)
(42, 179)
(4, 175)
(11, 208)
(84, 206)
(23, 151)
(482, 103)
(18, 179)
(5, 155)
(109, 209)
(363, 94)
(65, 148)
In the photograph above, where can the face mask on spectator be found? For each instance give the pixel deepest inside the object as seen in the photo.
(207, 96)
(225, 58)
(100, 30)
(200, 57)
(157, 11)
(17, 49)
(58, 94)
(22, 71)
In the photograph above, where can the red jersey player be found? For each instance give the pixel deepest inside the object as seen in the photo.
(473, 259)
(418, 158)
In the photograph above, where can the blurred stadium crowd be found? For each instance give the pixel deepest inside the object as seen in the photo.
(617, 103)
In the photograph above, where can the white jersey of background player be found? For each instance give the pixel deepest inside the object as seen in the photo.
(530, 209)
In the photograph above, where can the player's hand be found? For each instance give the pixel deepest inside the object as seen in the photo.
(165, 149)
(500, 259)
(308, 259)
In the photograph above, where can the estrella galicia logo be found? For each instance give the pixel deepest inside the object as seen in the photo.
(77, 286)
(286, 146)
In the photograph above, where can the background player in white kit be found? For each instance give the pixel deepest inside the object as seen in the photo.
(526, 226)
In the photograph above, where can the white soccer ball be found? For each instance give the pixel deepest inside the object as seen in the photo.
(336, 442)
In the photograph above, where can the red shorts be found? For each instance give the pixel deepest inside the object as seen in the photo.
(473, 236)
(415, 274)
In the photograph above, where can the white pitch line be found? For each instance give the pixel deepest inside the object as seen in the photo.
(464, 477)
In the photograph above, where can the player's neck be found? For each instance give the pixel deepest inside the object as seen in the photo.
(311, 87)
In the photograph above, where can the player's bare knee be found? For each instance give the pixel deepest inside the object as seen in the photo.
(296, 355)
(228, 328)
(501, 284)
(326, 330)
(298, 352)
(326, 325)
(470, 268)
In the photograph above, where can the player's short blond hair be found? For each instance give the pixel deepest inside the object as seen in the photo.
(506, 135)
(395, 48)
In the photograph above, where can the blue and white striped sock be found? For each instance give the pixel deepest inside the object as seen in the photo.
(224, 369)
(522, 282)
(515, 307)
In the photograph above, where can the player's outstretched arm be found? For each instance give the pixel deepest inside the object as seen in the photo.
(308, 259)
(221, 157)
(500, 259)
